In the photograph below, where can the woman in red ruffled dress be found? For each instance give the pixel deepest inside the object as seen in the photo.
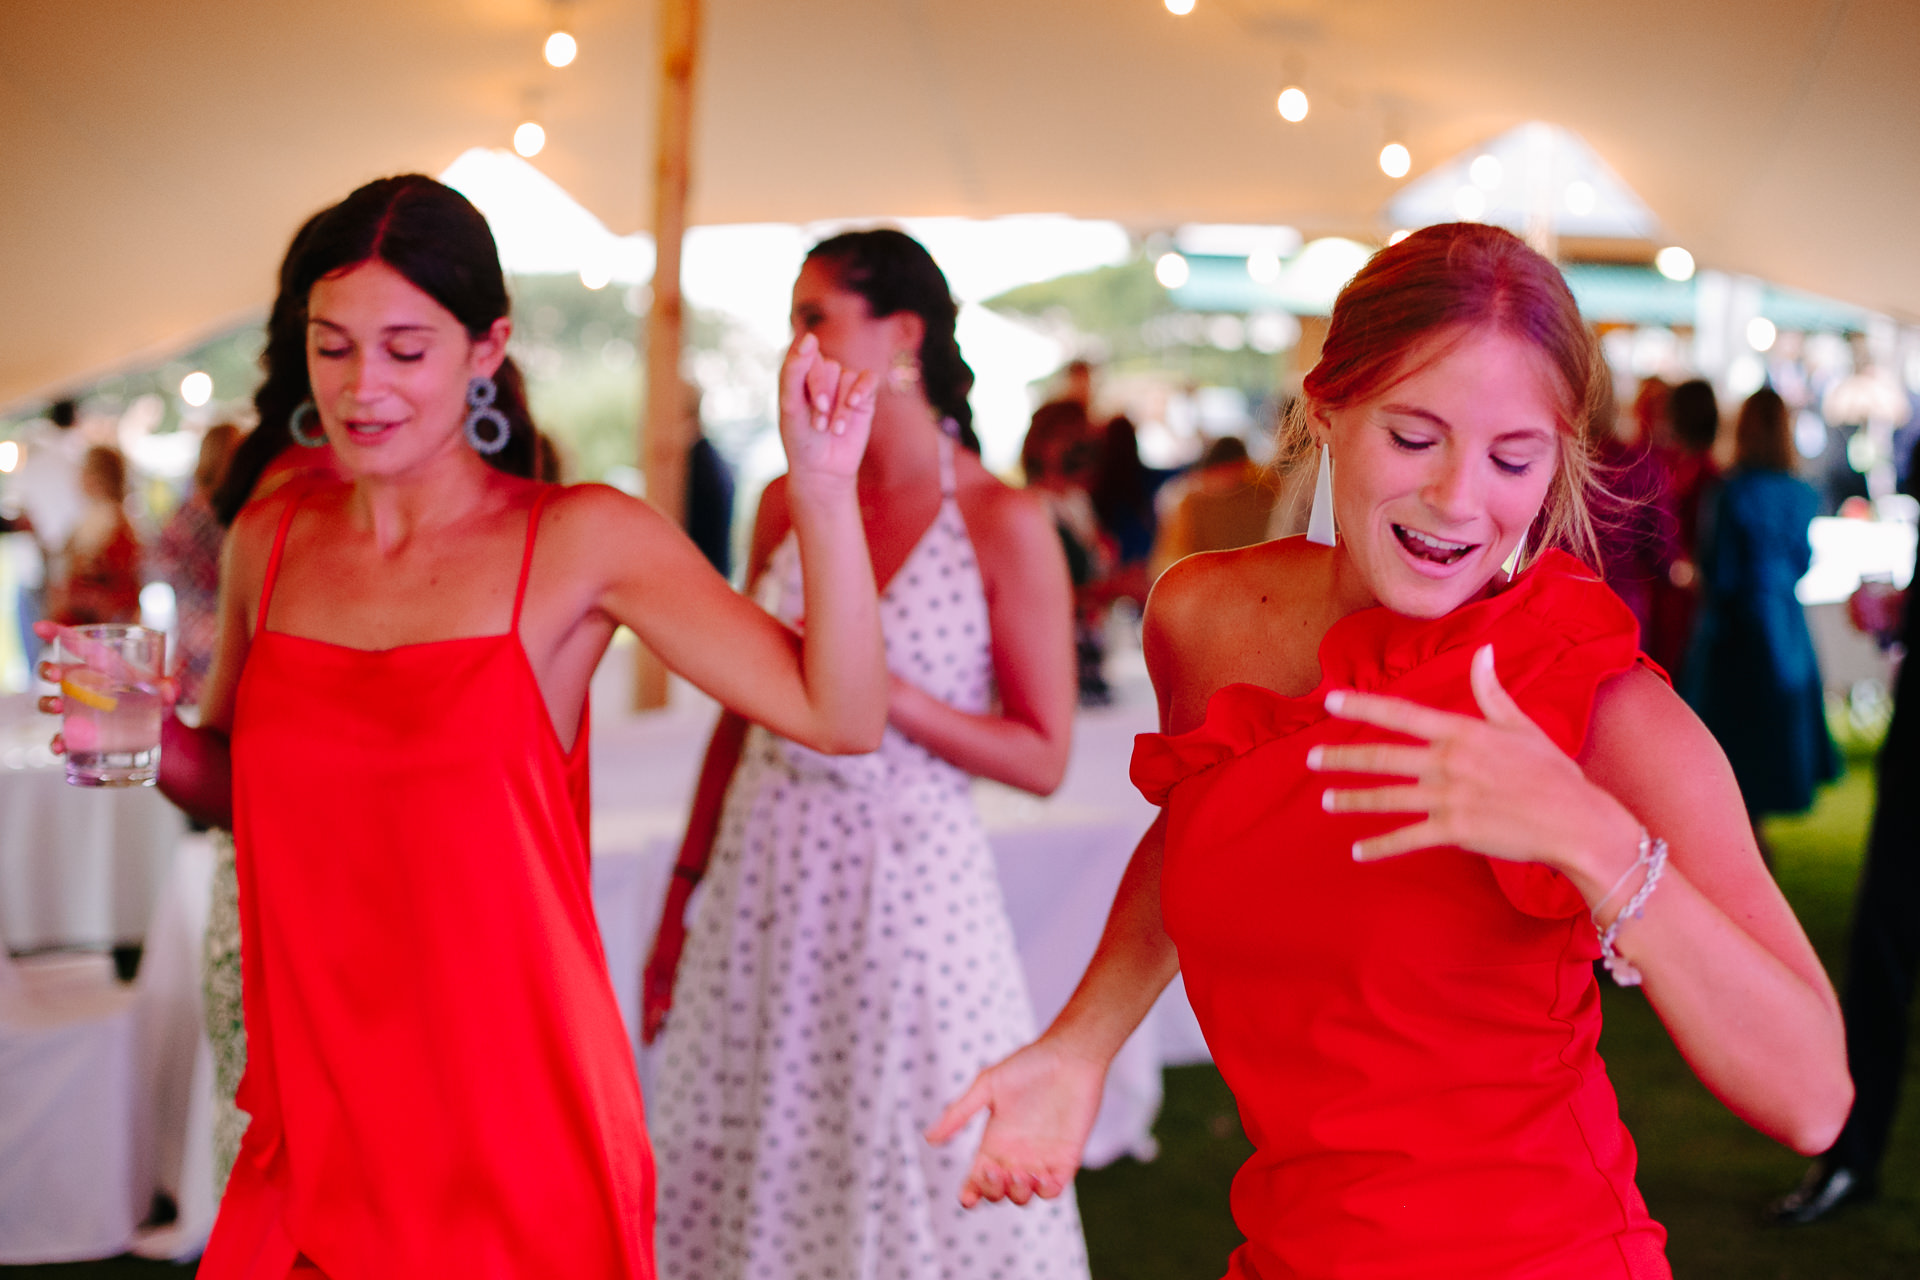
(1408, 796)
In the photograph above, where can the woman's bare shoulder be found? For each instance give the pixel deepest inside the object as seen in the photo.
(1201, 592)
(1003, 522)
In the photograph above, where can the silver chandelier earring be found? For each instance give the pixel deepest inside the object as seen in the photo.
(1320, 517)
(487, 428)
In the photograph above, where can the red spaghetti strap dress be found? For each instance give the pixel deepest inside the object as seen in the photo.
(1412, 1042)
(438, 1079)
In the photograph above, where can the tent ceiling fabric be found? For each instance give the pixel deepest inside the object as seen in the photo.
(159, 153)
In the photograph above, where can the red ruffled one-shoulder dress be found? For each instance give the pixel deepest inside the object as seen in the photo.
(1412, 1042)
(438, 1079)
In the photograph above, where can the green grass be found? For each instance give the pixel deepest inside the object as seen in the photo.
(1706, 1176)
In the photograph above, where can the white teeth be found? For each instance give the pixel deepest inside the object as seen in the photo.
(1437, 544)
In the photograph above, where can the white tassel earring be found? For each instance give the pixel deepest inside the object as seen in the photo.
(1320, 518)
(1519, 551)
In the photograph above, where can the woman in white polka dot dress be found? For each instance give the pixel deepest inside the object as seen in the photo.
(851, 965)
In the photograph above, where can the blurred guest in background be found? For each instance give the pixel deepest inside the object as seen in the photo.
(1691, 425)
(187, 558)
(1633, 514)
(709, 495)
(97, 578)
(1123, 494)
(1224, 502)
(1884, 951)
(1058, 458)
(1751, 673)
(44, 490)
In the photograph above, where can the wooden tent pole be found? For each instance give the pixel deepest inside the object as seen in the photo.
(667, 428)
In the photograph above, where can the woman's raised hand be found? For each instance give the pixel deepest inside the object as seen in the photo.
(1041, 1104)
(1498, 786)
(825, 411)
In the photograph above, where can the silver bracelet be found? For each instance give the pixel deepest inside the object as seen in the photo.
(1653, 856)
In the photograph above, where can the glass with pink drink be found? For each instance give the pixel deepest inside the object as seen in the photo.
(110, 688)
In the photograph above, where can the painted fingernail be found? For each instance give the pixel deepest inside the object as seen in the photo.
(1358, 856)
(1335, 699)
(1315, 756)
(822, 403)
(1326, 800)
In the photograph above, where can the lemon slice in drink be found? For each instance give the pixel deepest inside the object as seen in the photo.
(89, 688)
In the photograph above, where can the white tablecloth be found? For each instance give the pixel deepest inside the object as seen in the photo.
(79, 867)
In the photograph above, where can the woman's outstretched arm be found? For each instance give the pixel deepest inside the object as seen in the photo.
(1042, 1101)
(827, 690)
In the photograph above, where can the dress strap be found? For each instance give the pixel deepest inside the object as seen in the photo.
(948, 484)
(273, 557)
(526, 557)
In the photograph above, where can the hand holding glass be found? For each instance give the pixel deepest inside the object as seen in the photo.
(111, 703)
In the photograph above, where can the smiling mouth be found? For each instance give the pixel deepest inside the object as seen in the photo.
(1426, 547)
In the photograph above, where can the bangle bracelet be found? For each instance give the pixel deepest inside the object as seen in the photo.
(689, 874)
(1653, 856)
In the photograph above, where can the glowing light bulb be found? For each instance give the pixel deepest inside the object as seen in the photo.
(1264, 267)
(1674, 263)
(1395, 160)
(1485, 172)
(1470, 202)
(1171, 270)
(9, 456)
(1179, 8)
(1398, 236)
(1293, 104)
(529, 138)
(1761, 333)
(561, 49)
(1580, 198)
(595, 275)
(196, 388)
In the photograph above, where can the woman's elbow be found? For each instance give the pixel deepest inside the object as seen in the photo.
(1817, 1123)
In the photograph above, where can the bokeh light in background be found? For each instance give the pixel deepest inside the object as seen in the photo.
(1171, 270)
(9, 456)
(1761, 333)
(196, 388)
(1485, 171)
(1180, 8)
(1395, 160)
(1674, 263)
(1293, 104)
(529, 138)
(561, 49)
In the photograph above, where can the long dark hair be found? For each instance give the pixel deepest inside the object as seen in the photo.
(895, 273)
(431, 235)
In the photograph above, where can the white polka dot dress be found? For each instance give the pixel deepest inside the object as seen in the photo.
(850, 968)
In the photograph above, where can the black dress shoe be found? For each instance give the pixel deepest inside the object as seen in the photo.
(1823, 1190)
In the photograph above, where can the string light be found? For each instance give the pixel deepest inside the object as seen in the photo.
(1395, 160)
(1761, 333)
(9, 456)
(1398, 236)
(1293, 104)
(561, 49)
(196, 388)
(1179, 8)
(1674, 263)
(528, 139)
(1171, 270)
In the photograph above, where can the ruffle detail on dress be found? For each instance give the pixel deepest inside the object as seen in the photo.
(1557, 615)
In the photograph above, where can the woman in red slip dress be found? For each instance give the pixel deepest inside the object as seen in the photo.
(438, 1080)
(1404, 794)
